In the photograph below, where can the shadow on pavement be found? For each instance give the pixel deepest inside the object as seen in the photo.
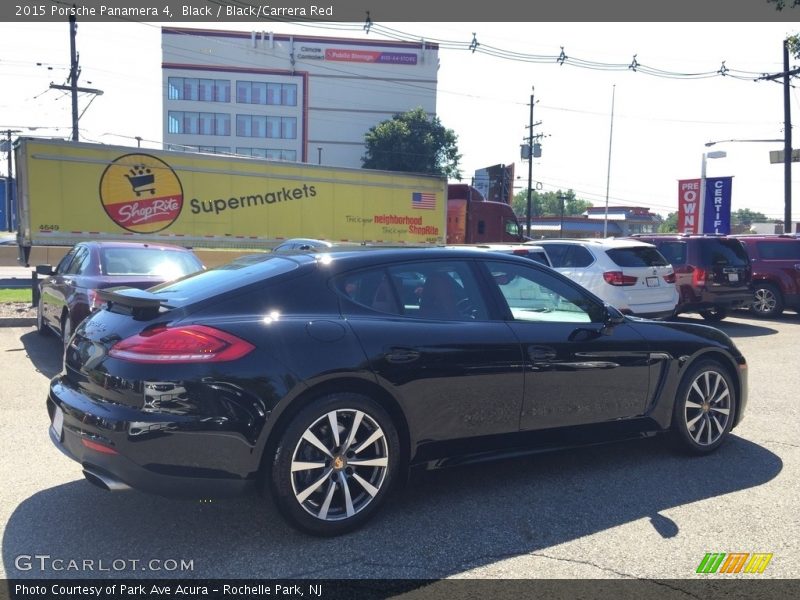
(448, 522)
(45, 352)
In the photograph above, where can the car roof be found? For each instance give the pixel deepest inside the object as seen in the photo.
(118, 244)
(597, 242)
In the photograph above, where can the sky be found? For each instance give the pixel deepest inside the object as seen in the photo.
(635, 156)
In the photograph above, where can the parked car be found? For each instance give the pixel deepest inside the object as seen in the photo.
(303, 245)
(324, 378)
(631, 275)
(775, 261)
(531, 251)
(713, 272)
(69, 293)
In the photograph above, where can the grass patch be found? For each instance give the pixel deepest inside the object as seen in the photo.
(16, 295)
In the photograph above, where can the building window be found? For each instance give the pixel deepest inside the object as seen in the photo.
(205, 90)
(289, 128)
(278, 94)
(198, 123)
(270, 153)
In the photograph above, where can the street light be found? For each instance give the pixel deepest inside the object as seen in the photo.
(706, 156)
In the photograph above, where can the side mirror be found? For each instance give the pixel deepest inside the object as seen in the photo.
(612, 318)
(44, 269)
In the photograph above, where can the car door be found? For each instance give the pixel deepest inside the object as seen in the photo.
(575, 372)
(52, 290)
(427, 335)
(65, 286)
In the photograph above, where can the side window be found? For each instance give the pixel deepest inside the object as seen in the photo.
(79, 261)
(441, 290)
(674, 252)
(64, 263)
(533, 295)
(579, 257)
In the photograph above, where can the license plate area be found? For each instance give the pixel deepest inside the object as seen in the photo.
(652, 282)
(733, 277)
(58, 423)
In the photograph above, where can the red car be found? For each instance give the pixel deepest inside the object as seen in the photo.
(776, 273)
(69, 293)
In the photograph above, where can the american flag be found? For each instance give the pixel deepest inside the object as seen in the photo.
(423, 200)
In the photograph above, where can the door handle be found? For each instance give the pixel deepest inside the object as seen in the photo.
(399, 356)
(539, 353)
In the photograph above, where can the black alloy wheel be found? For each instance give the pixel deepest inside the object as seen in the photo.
(334, 464)
(714, 314)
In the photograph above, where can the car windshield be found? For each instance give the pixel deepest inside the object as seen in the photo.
(165, 264)
(637, 256)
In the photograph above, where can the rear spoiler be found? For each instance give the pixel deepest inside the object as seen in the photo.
(140, 304)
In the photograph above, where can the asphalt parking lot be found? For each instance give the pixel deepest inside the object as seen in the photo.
(633, 509)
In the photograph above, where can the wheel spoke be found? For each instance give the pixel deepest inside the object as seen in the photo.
(376, 435)
(334, 426)
(690, 424)
(303, 496)
(353, 429)
(306, 466)
(370, 462)
(721, 397)
(697, 389)
(348, 501)
(690, 404)
(323, 511)
(716, 422)
(713, 392)
(371, 489)
(700, 430)
(723, 411)
(708, 428)
(314, 441)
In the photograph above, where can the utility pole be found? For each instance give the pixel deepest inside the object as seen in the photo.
(786, 75)
(529, 153)
(8, 178)
(74, 73)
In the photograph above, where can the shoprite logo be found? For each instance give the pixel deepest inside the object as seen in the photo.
(141, 193)
(734, 562)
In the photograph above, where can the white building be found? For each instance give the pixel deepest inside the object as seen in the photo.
(288, 97)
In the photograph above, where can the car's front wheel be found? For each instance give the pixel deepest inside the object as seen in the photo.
(41, 326)
(714, 314)
(704, 408)
(335, 464)
(767, 300)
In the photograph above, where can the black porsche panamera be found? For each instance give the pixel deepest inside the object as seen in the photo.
(325, 378)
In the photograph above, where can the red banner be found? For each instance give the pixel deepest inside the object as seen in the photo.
(689, 216)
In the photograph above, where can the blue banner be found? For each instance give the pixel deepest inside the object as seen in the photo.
(717, 209)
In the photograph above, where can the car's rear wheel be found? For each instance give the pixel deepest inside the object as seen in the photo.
(767, 300)
(714, 314)
(704, 408)
(335, 464)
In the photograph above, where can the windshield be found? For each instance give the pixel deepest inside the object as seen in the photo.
(166, 264)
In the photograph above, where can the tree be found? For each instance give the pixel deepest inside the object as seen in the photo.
(549, 203)
(415, 143)
(670, 224)
(745, 216)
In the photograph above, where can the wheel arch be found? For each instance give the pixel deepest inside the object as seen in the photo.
(351, 385)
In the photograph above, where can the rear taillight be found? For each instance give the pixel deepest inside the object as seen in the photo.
(619, 278)
(669, 277)
(698, 276)
(188, 344)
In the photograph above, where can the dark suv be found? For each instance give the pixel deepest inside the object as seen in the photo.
(713, 272)
(776, 273)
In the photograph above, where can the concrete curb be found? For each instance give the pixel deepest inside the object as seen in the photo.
(17, 321)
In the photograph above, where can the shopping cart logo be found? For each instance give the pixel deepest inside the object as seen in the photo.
(141, 193)
(734, 562)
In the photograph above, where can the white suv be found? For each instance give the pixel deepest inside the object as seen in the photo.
(630, 275)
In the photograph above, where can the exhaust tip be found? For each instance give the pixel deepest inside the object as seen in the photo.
(104, 481)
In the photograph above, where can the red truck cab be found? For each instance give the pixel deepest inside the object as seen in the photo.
(473, 220)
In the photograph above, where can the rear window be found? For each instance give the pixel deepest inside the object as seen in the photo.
(724, 252)
(167, 264)
(674, 252)
(786, 250)
(221, 280)
(637, 256)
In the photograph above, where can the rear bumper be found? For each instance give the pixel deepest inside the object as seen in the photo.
(88, 426)
(727, 300)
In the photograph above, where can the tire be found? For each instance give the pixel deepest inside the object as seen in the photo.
(345, 495)
(66, 329)
(714, 314)
(705, 408)
(767, 300)
(41, 326)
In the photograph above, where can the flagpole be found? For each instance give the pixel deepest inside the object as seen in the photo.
(608, 172)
